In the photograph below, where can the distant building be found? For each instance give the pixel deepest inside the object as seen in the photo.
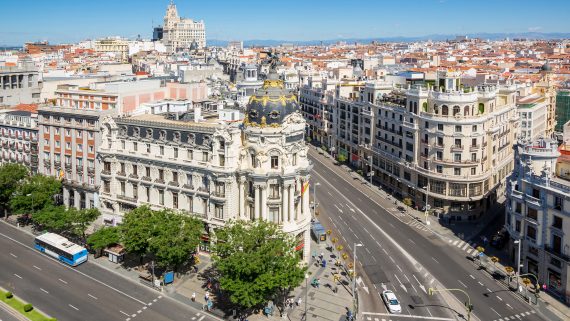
(235, 45)
(157, 33)
(20, 84)
(182, 33)
(19, 138)
(562, 108)
(117, 46)
(538, 213)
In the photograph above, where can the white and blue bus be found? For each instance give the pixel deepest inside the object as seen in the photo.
(61, 248)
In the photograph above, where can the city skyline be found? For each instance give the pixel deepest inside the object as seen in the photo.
(318, 20)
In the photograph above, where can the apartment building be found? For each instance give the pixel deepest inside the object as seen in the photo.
(205, 163)
(114, 46)
(19, 139)
(182, 33)
(19, 85)
(538, 213)
(449, 147)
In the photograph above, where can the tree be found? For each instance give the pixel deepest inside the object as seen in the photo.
(104, 237)
(137, 229)
(256, 262)
(81, 219)
(53, 218)
(35, 193)
(341, 158)
(407, 201)
(176, 238)
(11, 176)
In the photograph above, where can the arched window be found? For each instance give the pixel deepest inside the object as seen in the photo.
(466, 111)
(444, 110)
(481, 108)
(424, 106)
(435, 109)
(456, 110)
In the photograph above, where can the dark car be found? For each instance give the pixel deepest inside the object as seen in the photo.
(500, 238)
(24, 220)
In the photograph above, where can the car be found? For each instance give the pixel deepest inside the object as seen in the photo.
(391, 302)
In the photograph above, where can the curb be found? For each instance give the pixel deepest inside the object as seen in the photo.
(15, 313)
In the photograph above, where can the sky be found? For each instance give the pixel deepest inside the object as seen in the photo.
(65, 21)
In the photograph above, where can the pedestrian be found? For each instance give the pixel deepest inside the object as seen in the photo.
(299, 301)
(193, 296)
(207, 296)
(322, 256)
(318, 282)
(335, 289)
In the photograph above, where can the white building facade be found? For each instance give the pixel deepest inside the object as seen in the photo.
(182, 33)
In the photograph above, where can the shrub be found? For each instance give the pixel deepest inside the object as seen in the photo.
(9, 295)
(28, 307)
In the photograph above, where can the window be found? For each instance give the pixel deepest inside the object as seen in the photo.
(458, 129)
(161, 174)
(147, 171)
(474, 142)
(57, 131)
(517, 225)
(67, 145)
(91, 149)
(457, 157)
(79, 162)
(457, 171)
(135, 146)
(473, 170)
(531, 232)
(135, 191)
(160, 197)
(473, 157)
(219, 211)
(439, 168)
(440, 141)
(57, 144)
(222, 159)
(79, 133)
(458, 142)
(439, 155)
(474, 128)
(205, 156)
(190, 154)
(274, 191)
(174, 200)
(558, 203)
(557, 222)
(135, 170)
(148, 148)
(80, 147)
(68, 160)
(161, 148)
(440, 127)
(147, 192)
(123, 144)
(123, 188)
(220, 189)
(274, 162)
(253, 162)
(67, 132)
(90, 135)
(175, 152)
(190, 204)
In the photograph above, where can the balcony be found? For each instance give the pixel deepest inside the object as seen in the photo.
(159, 181)
(410, 125)
(67, 165)
(456, 148)
(173, 183)
(134, 176)
(91, 170)
(106, 172)
(474, 148)
(424, 141)
(121, 173)
(533, 200)
(557, 253)
(146, 178)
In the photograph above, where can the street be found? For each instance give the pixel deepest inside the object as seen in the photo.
(87, 292)
(405, 256)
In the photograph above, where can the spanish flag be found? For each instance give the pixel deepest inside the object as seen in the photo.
(305, 187)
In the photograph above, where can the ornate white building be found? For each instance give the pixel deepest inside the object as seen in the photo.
(197, 162)
(182, 33)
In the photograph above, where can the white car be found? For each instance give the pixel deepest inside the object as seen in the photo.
(391, 302)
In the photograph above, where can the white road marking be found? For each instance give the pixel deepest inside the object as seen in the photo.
(406, 316)
(37, 268)
(383, 249)
(489, 290)
(329, 193)
(496, 312)
(399, 268)
(144, 308)
(462, 283)
(461, 244)
(338, 208)
(62, 281)
(498, 297)
(76, 309)
(407, 278)
(19, 277)
(481, 284)
(465, 247)
(201, 318)
(73, 269)
(367, 250)
(14, 255)
(139, 311)
(510, 306)
(93, 297)
(472, 276)
(435, 260)
(470, 251)
(44, 291)
(391, 259)
(411, 241)
(454, 243)
(392, 225)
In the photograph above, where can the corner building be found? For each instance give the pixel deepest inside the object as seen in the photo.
(220, 170)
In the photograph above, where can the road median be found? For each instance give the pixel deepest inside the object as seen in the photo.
(21, 309)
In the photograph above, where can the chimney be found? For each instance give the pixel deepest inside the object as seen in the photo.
(197, 114)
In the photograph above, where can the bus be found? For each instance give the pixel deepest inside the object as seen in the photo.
(61, 248)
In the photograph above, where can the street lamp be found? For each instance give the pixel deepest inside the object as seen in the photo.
(354, 276)
(518, 260)
(306, 291)
(32, 196)
(315, 198)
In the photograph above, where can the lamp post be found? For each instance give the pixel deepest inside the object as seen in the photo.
(468, 305)
(306, 291)
(32, 196)
(519, 242)
(315, 198)
(371, 172)
(354, 276)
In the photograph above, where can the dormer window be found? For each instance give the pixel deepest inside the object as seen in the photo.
(274, 162)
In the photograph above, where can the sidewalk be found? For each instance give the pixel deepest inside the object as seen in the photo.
(463, 231)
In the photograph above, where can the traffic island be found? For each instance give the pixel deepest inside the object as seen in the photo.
(22, 308)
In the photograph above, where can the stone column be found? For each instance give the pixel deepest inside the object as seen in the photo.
(304, 206)
(256, 202)
(292, 204)
(241, 195)
(263, 194)
(285, 215)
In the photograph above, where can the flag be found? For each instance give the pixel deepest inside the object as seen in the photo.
(305, 187)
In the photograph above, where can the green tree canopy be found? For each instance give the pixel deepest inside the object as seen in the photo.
(256, 261)
(81, 219)
(35, 193)
(175, 238)
(11, 176)
(53, 218)
(104, 237)
(137, 229)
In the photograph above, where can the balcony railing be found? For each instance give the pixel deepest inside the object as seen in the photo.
(456, 147)
(557, 253)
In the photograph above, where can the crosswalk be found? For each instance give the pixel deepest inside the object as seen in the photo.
(369, 316)
(418, 225)
(468, 247)
(517, 316)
